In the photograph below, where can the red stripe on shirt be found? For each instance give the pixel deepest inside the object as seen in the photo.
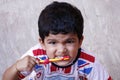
(39, 52)
(87, 57)
(67, 70)
(109, 78)
(84, 65)
(53, 68)
(21, 76)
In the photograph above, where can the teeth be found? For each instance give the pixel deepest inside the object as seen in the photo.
(62, 57)
(59, 57)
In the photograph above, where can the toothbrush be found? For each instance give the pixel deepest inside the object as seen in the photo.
(46, 61)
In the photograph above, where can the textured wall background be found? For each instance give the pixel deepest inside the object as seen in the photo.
(18, 30)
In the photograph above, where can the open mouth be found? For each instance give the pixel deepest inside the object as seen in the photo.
(61, 58)
(56, 59)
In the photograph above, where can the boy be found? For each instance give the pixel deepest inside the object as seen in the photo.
(61, 34)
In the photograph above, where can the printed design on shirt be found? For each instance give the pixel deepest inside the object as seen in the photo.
(82, 78)
(39, 52)
(52, 69)
(55, 73)
(59, 77)
(85, 63)
(39, 69)
(110, 78)
(87, 57)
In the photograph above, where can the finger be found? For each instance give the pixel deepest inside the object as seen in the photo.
(30, 67)
(27, 63)
(35, 60)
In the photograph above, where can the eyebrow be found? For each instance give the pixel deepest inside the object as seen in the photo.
(50, 39)
(65, 39)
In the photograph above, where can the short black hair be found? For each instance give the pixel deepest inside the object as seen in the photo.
(60, 17)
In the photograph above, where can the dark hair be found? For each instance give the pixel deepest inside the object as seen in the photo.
(60, 17)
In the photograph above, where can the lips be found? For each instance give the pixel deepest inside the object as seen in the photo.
(59, 57)
(62, 57)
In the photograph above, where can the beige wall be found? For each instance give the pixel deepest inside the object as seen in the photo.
(18, 30)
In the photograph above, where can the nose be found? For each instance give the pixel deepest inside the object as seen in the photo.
(61, 50)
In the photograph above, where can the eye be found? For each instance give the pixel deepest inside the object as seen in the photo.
(52, 42)
(70, 41)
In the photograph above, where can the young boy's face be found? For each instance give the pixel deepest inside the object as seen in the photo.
(61, 45)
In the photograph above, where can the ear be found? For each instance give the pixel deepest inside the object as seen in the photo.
(42, 43)
(81, 40)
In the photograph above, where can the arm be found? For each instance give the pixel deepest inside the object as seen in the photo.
(11, 73)
(25, 64)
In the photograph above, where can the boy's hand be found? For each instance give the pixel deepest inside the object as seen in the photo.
(26, 64)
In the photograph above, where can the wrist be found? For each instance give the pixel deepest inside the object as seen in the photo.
(20, 76)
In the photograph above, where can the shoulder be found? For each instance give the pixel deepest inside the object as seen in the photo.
(86, 55)
(89, 65)
(85, 62)
(33, 51)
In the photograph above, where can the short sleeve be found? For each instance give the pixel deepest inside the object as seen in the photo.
(98, 72)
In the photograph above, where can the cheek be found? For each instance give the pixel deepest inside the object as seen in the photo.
(73, 51)
(50, 52)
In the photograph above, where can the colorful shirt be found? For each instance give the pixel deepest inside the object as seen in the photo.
(85, 67)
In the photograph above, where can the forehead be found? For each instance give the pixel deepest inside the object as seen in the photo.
(61, 36)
